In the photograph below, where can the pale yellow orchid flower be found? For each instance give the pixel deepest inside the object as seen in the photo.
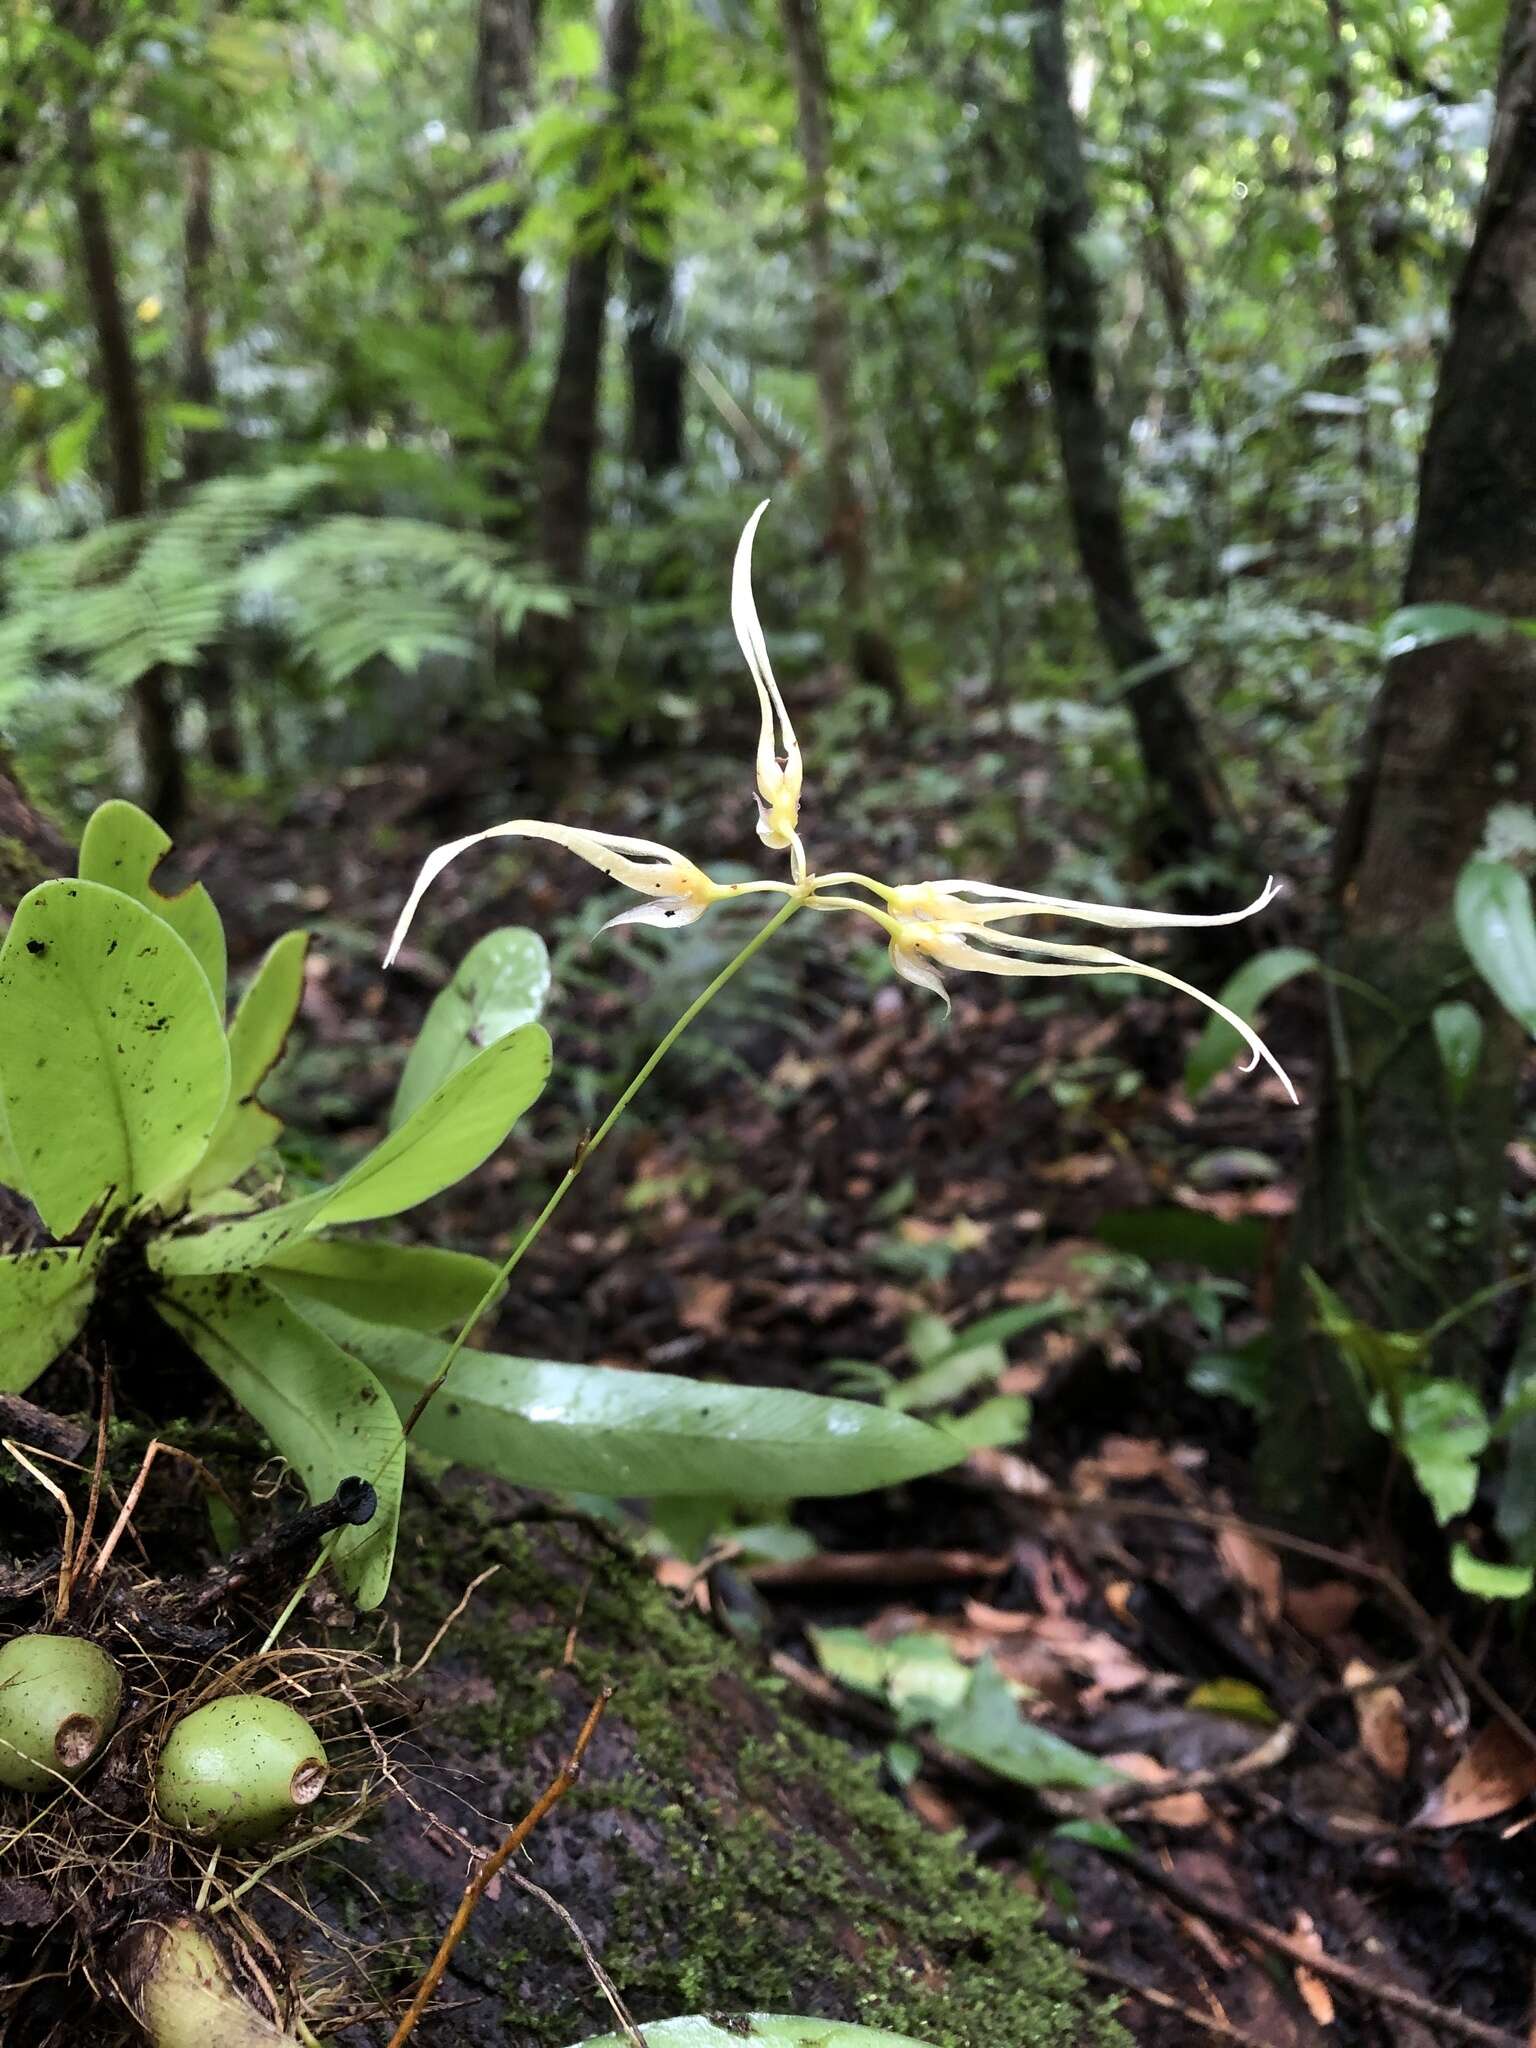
(920, 946)
(678, 892)
(780, 770)
(951, 923)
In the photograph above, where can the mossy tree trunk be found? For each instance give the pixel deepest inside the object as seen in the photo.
(717, 1854)
(1402, 1206)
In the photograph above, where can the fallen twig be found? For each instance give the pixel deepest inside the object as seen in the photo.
(550, 1797)
(839, 1568)
(1452, 2025)
(1219, 2029)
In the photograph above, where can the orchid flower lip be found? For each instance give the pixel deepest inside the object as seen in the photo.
(780, 770)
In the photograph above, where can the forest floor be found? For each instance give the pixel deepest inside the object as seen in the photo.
(1315, 1784)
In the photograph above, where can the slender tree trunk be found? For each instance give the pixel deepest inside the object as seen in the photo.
(1190, 816)
(657, 370)
(506, 50)
(214, 681)
(1401, 1211)
(1349, 245)
(847, 522)
(569, 438)
(123, 410)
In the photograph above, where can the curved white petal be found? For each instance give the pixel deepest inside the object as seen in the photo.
(667, 910)
(641, 864)
(913, 967)
(778, 787)
(993, 903)
(1044, 958)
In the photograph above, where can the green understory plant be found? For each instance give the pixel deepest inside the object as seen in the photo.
(129, 1117)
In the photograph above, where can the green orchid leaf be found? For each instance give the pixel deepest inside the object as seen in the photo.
(1494, 917)
(455, 1130)
(322, 1408)
(589, 1429)
(1245, 994)
(121, 848)
(1458, 1033)
(449, 1136)
(415, 1287)
(256, 1040)
(500, 986)
(11, 1175)
(44, 1300)
(237, 1246)
(116, 1070)
(754, 2030)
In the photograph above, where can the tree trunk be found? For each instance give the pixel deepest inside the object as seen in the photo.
(569, 438)
(657, 371)
(1349, 242)
(1401, 1211)
(1190, 816)
(506, 49)
(214, 682)
(874, 655)
(122, 405)
(31, 846)
(718, 1855)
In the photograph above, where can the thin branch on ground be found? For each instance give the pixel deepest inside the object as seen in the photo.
(1218, 2029)
(474, 1891)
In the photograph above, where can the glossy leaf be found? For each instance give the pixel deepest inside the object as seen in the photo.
(322, 1408)
(455, 1130)
(1494, 917)
(448, 1137)
(256, 1040)
(115, 1069)
(500, 986)
(121, 847)
(44, 1299)
(754, 2030)
(588, 1429)
(414, 1287)
(1246, 993)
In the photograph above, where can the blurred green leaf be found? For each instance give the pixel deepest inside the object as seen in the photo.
(1487, 1581)
(121, 848)
(1494, 917)
(501, 984)
(1458, 1033)
(44, 1299)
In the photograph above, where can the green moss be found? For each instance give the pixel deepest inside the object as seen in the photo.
(720, 1856)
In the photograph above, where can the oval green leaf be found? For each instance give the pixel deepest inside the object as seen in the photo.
(121, 847)
(322, 1408)
(1494, 917)
(452, 1133)
(765, 2029)
(1246, 993)
(500, 986)
(115, 1067)
(256, 1040)
(1427, 625)
(590, 1429)
(44, 1299)
(415, 1287)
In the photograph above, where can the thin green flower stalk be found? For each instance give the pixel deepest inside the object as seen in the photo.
(953, 924)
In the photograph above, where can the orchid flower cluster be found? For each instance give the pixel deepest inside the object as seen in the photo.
(948, 923)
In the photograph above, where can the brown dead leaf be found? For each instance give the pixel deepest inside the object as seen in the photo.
(1315, 1994)
(931, 1807)
(1382, 1720)
(1058, 1269)
(1255, 1567)
(1057, 1639)
(1131, 1459)
(1233, 1205)
(1496, 1773)
(1178, 1809)
(1078, 1169)
(705, 1305)
(1009, 1471)
(1322, 1610)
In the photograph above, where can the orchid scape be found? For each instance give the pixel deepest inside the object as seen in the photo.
(949, 923)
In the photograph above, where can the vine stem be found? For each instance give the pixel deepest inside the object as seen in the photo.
(583, 1153)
